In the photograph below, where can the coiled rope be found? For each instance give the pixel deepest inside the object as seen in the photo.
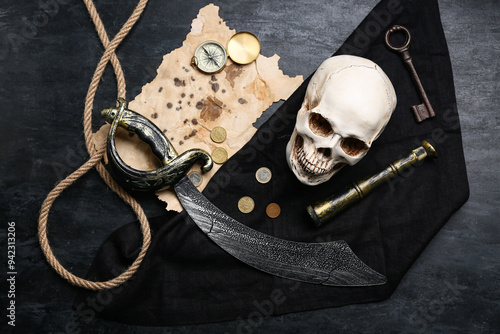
(96, 156)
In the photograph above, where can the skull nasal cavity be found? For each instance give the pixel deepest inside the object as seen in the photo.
(325, 151)
(319, 125)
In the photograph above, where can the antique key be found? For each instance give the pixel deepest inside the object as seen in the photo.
(423, 110)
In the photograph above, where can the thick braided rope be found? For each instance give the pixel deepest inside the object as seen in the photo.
(103, 36)
(95, 159)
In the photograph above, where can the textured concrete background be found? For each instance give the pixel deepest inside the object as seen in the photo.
(46, 62)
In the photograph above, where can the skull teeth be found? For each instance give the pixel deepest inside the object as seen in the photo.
(309, 164)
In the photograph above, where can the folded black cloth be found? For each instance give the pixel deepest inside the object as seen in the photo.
(186, 278)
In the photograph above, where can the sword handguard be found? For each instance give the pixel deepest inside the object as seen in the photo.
(174, 166)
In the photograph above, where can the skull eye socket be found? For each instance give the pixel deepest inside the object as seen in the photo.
(353, 146)
(319, 125)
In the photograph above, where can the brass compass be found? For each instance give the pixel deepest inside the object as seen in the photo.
(210, 57)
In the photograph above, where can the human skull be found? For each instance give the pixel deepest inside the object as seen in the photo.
(348, 103)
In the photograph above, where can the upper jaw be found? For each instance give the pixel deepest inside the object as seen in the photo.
(308, 167)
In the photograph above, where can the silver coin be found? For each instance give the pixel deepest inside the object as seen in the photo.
(196, 178)
(263, 175)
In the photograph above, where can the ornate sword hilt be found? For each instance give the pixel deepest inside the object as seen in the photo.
(174, 166)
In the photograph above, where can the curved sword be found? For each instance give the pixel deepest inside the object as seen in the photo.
(328, 263)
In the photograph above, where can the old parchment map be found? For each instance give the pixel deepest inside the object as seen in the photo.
(187, 104)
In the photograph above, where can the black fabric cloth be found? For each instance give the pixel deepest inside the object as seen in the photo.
(186, 278)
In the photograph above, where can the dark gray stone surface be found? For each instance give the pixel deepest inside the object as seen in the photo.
(48, 52)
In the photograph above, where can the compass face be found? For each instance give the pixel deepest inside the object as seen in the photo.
(210, 57)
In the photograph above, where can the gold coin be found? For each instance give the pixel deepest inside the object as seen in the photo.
(218, 134)
(196, 178)
(273, 210)
(219, 155)
(246, 204)
(263, 175)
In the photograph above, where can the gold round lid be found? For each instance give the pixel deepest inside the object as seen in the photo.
(243, 47)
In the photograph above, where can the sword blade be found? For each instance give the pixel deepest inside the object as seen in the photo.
(328, 263)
